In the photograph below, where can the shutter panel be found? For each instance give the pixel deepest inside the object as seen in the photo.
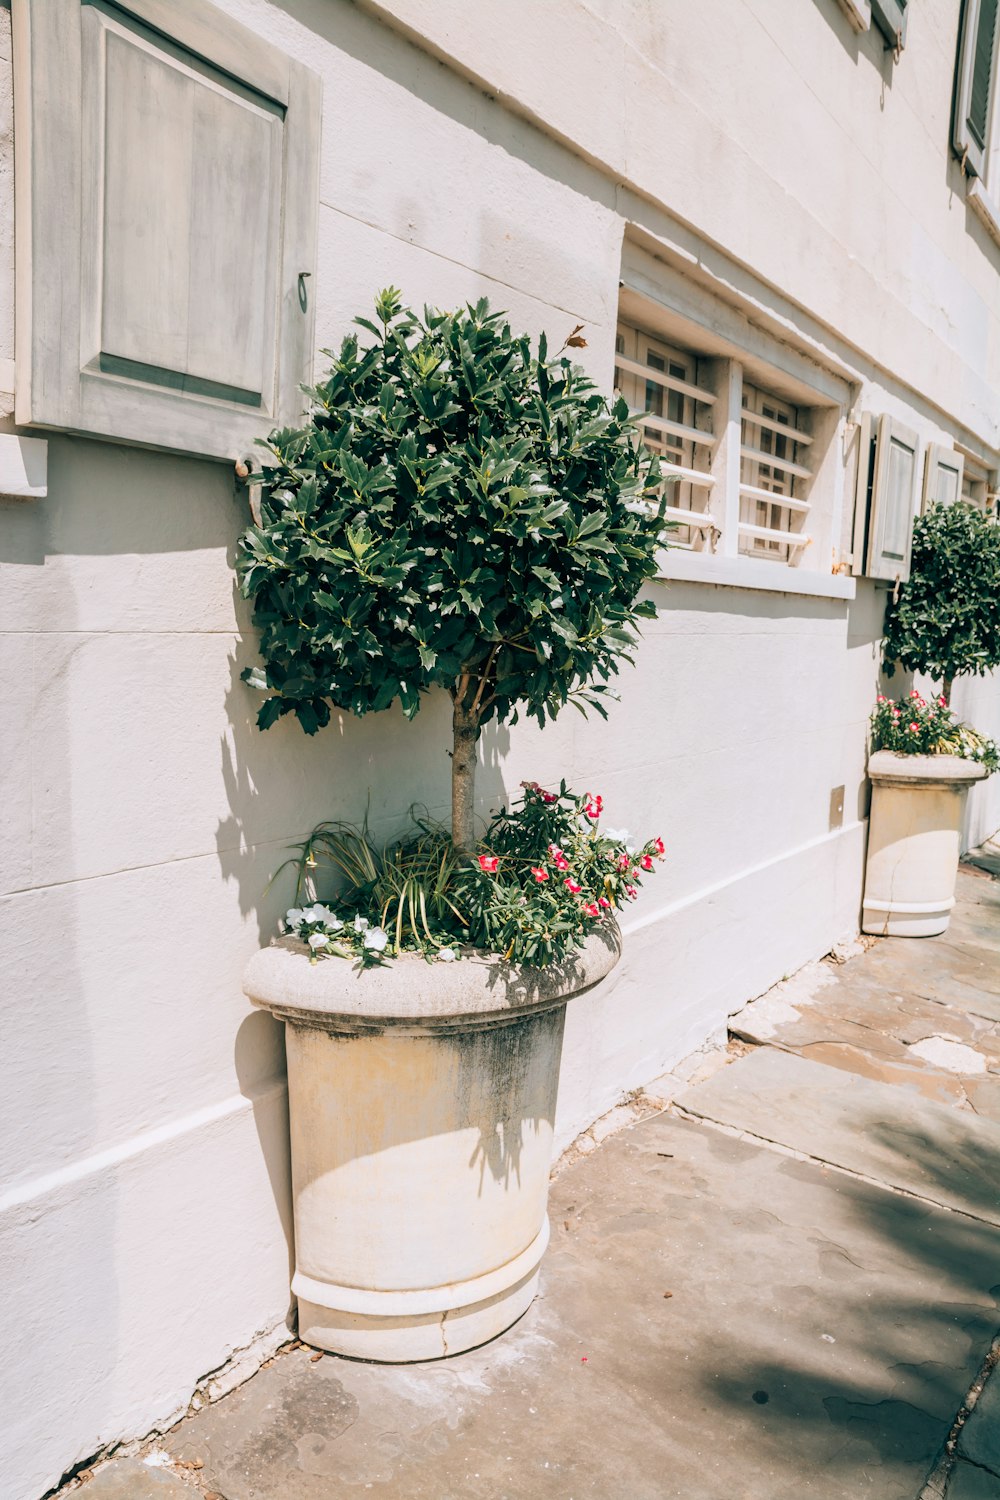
(942, 476)
(890, 18)
(893, 501)
(159, 259)
(975, 83)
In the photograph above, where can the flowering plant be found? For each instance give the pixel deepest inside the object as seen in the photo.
(914, 726)
(544, 874)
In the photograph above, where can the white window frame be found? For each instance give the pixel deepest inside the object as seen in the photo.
(980, 160)
(980, 484)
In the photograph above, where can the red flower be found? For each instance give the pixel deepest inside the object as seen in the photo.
(603, 901)
(659, 846)
(914, 728)
(539, 875)
(646, 861)
(880, 699)
(549, 797)
(572, 886)
(593, 811)
(631, 892)
(488, 862)
(623, 861)
(592, 910)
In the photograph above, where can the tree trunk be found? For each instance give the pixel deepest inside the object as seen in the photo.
(463, 778)
(946, 690)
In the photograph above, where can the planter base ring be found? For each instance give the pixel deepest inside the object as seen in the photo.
(418, 1301)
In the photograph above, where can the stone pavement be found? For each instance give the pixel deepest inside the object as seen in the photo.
(784, 1287)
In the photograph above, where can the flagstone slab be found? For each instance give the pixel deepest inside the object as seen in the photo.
(979, 1439)
(848, 1018)
(718, 1321)
(947, 1156)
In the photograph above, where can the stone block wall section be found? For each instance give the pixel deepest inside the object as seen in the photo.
(144, 1205)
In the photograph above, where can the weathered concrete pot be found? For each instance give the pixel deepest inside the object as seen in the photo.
(914, 831)
(422, 1099)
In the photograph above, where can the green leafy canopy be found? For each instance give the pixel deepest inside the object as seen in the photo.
(946, 619)
(457, 509)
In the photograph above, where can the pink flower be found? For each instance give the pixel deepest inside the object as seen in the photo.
(914, 693)
(603, 901)
(623, 861)
(646, 861)
(488, 863)
(943, 702)
(540, 875)
(592, 910)
(914, 728)
(631, 892)
(659, 846)
(572, 887)
(880, 699)
(562, 863)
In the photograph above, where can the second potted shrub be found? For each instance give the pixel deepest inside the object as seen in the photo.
(945, 622)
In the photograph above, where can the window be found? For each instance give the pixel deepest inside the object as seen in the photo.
(167, 165)
(736, 453)
(979, 484)
(660, 384)
(975, 85)
(772, 509)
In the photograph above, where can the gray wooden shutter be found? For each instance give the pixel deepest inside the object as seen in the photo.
(942, 476)
(893, 501)
(890, 18)
(975, 83)
(167, 172)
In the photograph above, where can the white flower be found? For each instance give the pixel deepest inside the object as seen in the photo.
(361, 924)
(446, 955)
(375, 938)
(640, 507)
(294, 915)
(318, 940)
(320, 913)
(617, 835)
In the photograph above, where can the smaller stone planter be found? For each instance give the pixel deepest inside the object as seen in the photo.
(914, 832)
(422, 1102)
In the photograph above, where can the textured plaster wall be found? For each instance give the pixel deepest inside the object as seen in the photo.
(144, 1207)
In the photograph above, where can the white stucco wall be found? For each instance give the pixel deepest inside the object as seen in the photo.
(144, 1210)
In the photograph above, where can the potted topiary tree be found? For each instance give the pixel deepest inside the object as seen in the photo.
(459, 512)
(945, 622)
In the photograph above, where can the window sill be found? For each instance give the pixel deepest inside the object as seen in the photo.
(983, 206)
(749, 573)
(858, 12)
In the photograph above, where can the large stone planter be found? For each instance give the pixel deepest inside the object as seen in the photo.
(914, 831)
(422, 1099)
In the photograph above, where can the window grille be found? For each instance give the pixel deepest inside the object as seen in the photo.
(773, 510)
(660, 384)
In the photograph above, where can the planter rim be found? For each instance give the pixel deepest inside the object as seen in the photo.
(410, 994)
(889, 768)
